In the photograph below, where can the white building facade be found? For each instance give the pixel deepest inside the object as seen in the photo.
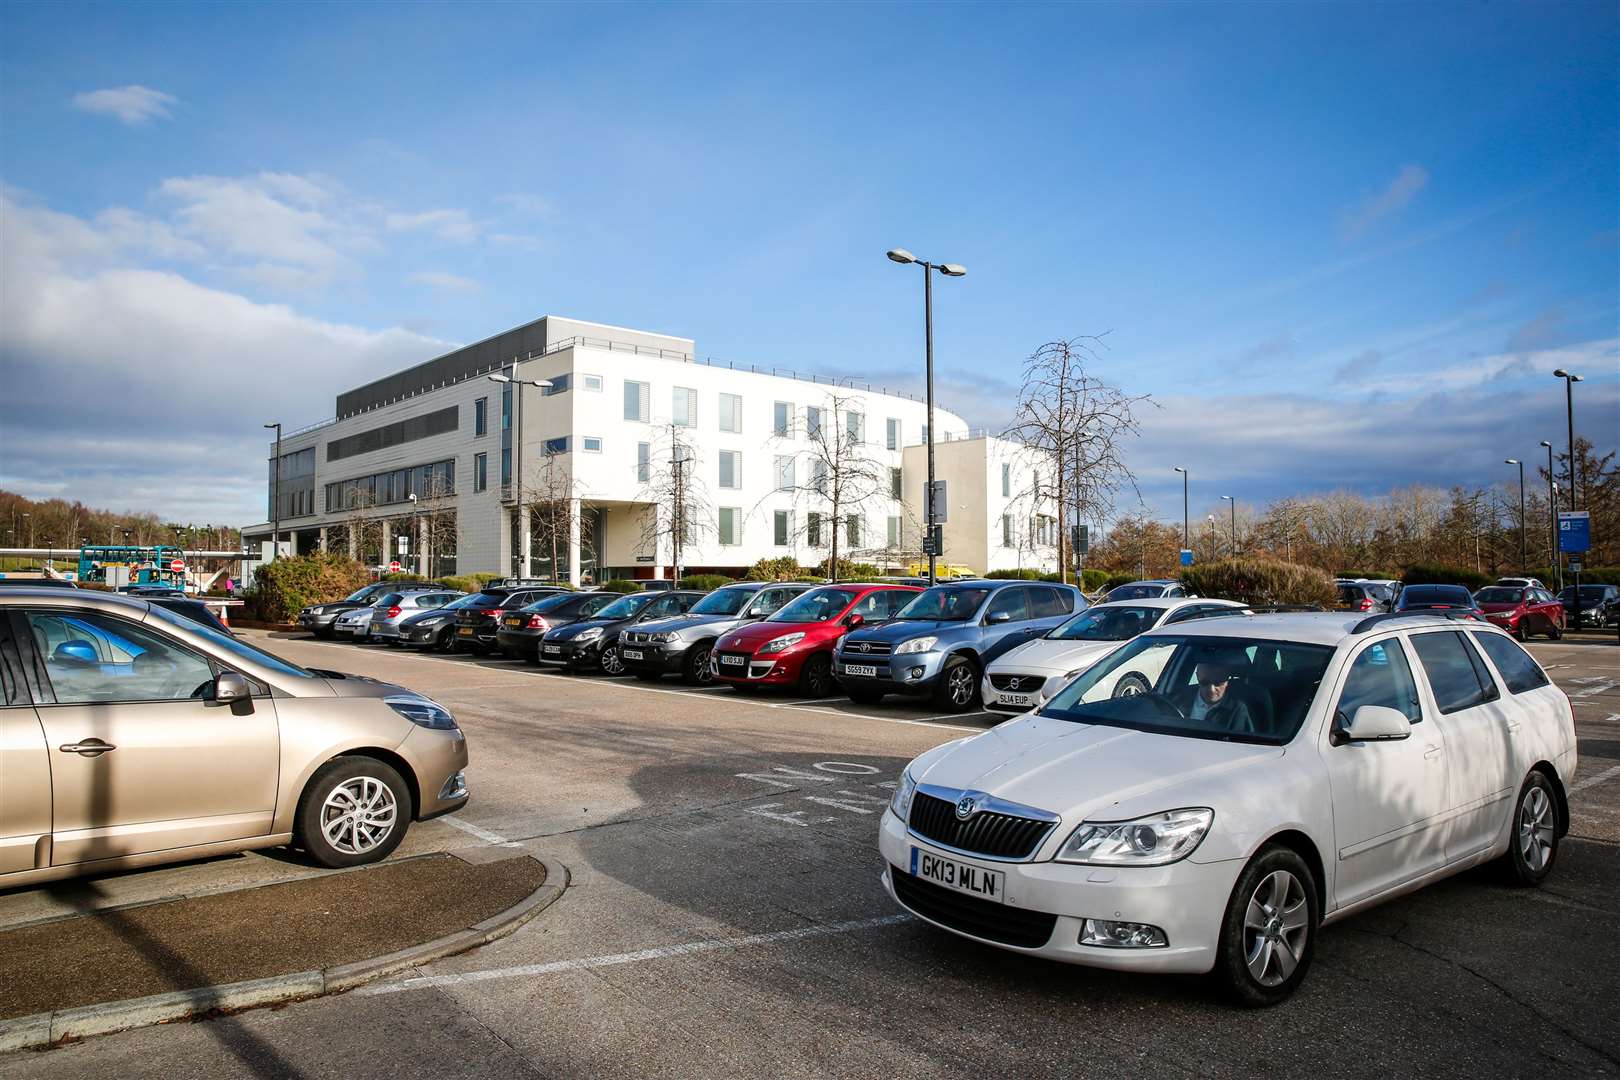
(587, 477)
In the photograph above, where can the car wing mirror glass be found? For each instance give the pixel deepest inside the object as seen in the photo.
(852, 620)
(1371, 723)
(232, 689)
(996, 617)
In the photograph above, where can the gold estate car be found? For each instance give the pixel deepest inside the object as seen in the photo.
(130, 735)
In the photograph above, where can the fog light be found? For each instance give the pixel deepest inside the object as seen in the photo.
(915, 673)
(1122, 935)
(454, 788)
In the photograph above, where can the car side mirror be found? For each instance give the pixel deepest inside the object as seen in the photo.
(997, 617)
(853, 620)
(232, 689)
(1371, 723)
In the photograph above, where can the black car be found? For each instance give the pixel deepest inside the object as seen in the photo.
(519, 632)
(1598, 605)
(476, 620)
(593, 644)
(1423, 599)
(435, 628)
(318, 618)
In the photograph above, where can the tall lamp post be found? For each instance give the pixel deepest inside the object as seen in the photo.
(1570, 379)
(1186, 539)
(1233, 504)
(275, 497)
(516, 453)
(1524, 559)
(1552, 518)
(902, 256)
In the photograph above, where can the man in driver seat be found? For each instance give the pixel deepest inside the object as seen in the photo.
(1220, 701)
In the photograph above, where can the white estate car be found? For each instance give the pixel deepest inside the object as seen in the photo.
(1282, 772)
(1026, 676)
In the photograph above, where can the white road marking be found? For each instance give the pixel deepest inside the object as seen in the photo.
(1593, 781)
(1597, 687)
(483, 834)
(773, 811)
(777, 937)
(786, 777)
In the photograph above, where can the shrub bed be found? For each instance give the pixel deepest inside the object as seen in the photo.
(706, 582)
(1261, 582)
(285, 586)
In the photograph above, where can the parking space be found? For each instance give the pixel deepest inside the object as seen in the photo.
(725, 919)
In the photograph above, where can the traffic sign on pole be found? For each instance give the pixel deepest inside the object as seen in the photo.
(1186, 556)
(178, 566)
(393, 567)
(1574, 531)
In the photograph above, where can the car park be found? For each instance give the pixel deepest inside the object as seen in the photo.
(519, 632)
(939, 644)
(135, 736)
(794, 646)
(1030, 674)
(593, 644)
(1522, 610)
(1439, 598)
(682, 645)
(476, 621)
(1364, 596)
(1151, 589)
(394, 608)
(1593, 605)
(319, 618)
(1282, 771)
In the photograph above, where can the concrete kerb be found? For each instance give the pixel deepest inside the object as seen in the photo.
(43, 1030)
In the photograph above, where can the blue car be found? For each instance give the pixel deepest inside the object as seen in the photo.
(939, 644)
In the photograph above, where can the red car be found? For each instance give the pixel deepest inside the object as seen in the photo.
(1522, 611)
(794, 647)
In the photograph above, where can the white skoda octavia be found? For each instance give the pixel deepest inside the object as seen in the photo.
(1278, 773)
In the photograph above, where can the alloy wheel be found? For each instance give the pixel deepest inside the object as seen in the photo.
(1536, 826)
(612, 662)
(358, 814)
(960, 686)
(1275, 926)
(702, 673)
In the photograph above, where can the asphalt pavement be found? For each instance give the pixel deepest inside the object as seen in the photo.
(725, 919)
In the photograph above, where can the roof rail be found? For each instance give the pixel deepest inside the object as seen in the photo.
(1283, 609)
(1373, 621)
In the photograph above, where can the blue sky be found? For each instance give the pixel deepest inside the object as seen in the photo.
(1341, 245)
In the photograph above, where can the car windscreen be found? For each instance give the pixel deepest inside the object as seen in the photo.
(625, 606)
(486, 600)
(817, 605)
(230, 646)
(364, 592)
(1499, 594)
(1424, 595)
(946, 604)
(553, 602)
(1108, 624)
(1234, 689)
(722, 602)
(1136, 592)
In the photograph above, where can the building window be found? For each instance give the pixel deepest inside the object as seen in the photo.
(782, 527)
(480, 472)
(925, 433)
(593, 383)
(506, 407)
(784, 474)
(481, 417)
(643, 462)
(683, 409)
(892, 437)
(818, 476)
(1006, 530)
(591, 444)
(813, 419)
(782, 419)
(637, 400)
(852, 531)
(1006, 481)
(894, 531)
(560, 384)
(812, 529)
(558, 445)
(729, 516)
(731, 412)
(855, 425)
(895, 490)
(506, 465)
(730, 469)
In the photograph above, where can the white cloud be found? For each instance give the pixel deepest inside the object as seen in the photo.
(442, 282)
(454, 225)
(134, 105)
(1391, 200)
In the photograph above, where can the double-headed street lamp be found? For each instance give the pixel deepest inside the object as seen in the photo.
(275, 496)
(1186, 541)
(1552, 518)
(901, 255)
(1569, 415)
(1233, 504)
(1524, 559)
(515, 455)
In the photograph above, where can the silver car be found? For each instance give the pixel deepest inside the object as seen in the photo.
(391, 610)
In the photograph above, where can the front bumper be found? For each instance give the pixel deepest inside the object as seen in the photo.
(317, 621)
(1186, 900)
(439, 759)
(422, 633)
(770, 669)
(911, 673)
(570, 654)
(518, 641)
(1033, 690)
(663, 658)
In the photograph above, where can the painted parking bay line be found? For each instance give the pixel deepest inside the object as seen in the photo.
(583, 963)
(1595, 779)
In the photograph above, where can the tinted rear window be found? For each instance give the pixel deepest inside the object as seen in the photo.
(1418, 595)
(1518, 670)
(1456, 674)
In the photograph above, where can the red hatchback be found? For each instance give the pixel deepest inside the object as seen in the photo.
(1522, 611)
(794, 647)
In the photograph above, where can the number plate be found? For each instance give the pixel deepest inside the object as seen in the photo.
(861, 669)
(553, 648)
(1015, 699)
(733, 661)
(514, 622)
(973, 880)
(465, 631)
(630, 654)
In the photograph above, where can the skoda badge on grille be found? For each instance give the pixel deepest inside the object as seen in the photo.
(966, 807)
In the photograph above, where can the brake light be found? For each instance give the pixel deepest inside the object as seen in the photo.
(1366, 603)
(538, 622)
(392, 613)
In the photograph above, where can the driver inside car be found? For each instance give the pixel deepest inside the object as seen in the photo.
(1219, 701)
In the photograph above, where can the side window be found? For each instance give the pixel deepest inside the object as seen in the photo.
(1050, 602)
(91, 657)
(1518, 670)
(673, 604)
(1013, 603)
(1380, 675)
(1455, 671)
(595, 604)
(1191, 611)
(869, 607)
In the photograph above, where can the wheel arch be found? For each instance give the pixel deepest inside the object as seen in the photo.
(393, 761)
(1302, 845)
(1560, 795)
(970, 654)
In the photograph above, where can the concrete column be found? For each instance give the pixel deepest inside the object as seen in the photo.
(573, 542)
(524, 542)
(387, 546)
(323, 539)
(421, 546)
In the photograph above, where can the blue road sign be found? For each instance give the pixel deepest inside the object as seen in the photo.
(1574, 531)
(1186, 557)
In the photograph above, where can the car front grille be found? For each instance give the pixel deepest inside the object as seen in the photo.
(971, 915)
(858, 649)
(999, 836)
(1025, 684)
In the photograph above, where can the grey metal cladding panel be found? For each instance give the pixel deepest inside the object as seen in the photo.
(465, 361)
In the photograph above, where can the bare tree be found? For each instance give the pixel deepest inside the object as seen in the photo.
(672, 483)
(1079, 423)
(362, 528)
(436, 511)
(842, 479)
(550, 501)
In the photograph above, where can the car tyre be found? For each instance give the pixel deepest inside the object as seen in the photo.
(816, 678)
(1554, 631)
(1519, 632)
(958, 686)
(612, 662)
(354, 811)
(1268, 934)
(1131, 684)
(696, 668)
(1533, 834)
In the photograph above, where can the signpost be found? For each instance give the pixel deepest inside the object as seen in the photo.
(934, 542)
(177, 566)
(1574, 531)
(1186, 556)
(393, 567)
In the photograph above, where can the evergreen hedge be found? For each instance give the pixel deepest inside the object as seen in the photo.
(1256, 581)
(283, 587)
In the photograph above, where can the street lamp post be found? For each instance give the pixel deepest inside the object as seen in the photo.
(1186, 539)
(275, 496)
(1233, 504)
(902, 256)
(1570, 379)
(1552, 518)
(1212, 540)
(1524, 558)
(516, 454)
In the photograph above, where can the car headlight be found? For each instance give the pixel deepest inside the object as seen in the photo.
(901, 803)
(666, 637)
(588, 634)
(777, 644)
(916, 644)
(1145, 841)
(424, 711)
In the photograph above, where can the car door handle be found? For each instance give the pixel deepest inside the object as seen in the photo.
(1432, 752)
(1512, 727)
(88, 748)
